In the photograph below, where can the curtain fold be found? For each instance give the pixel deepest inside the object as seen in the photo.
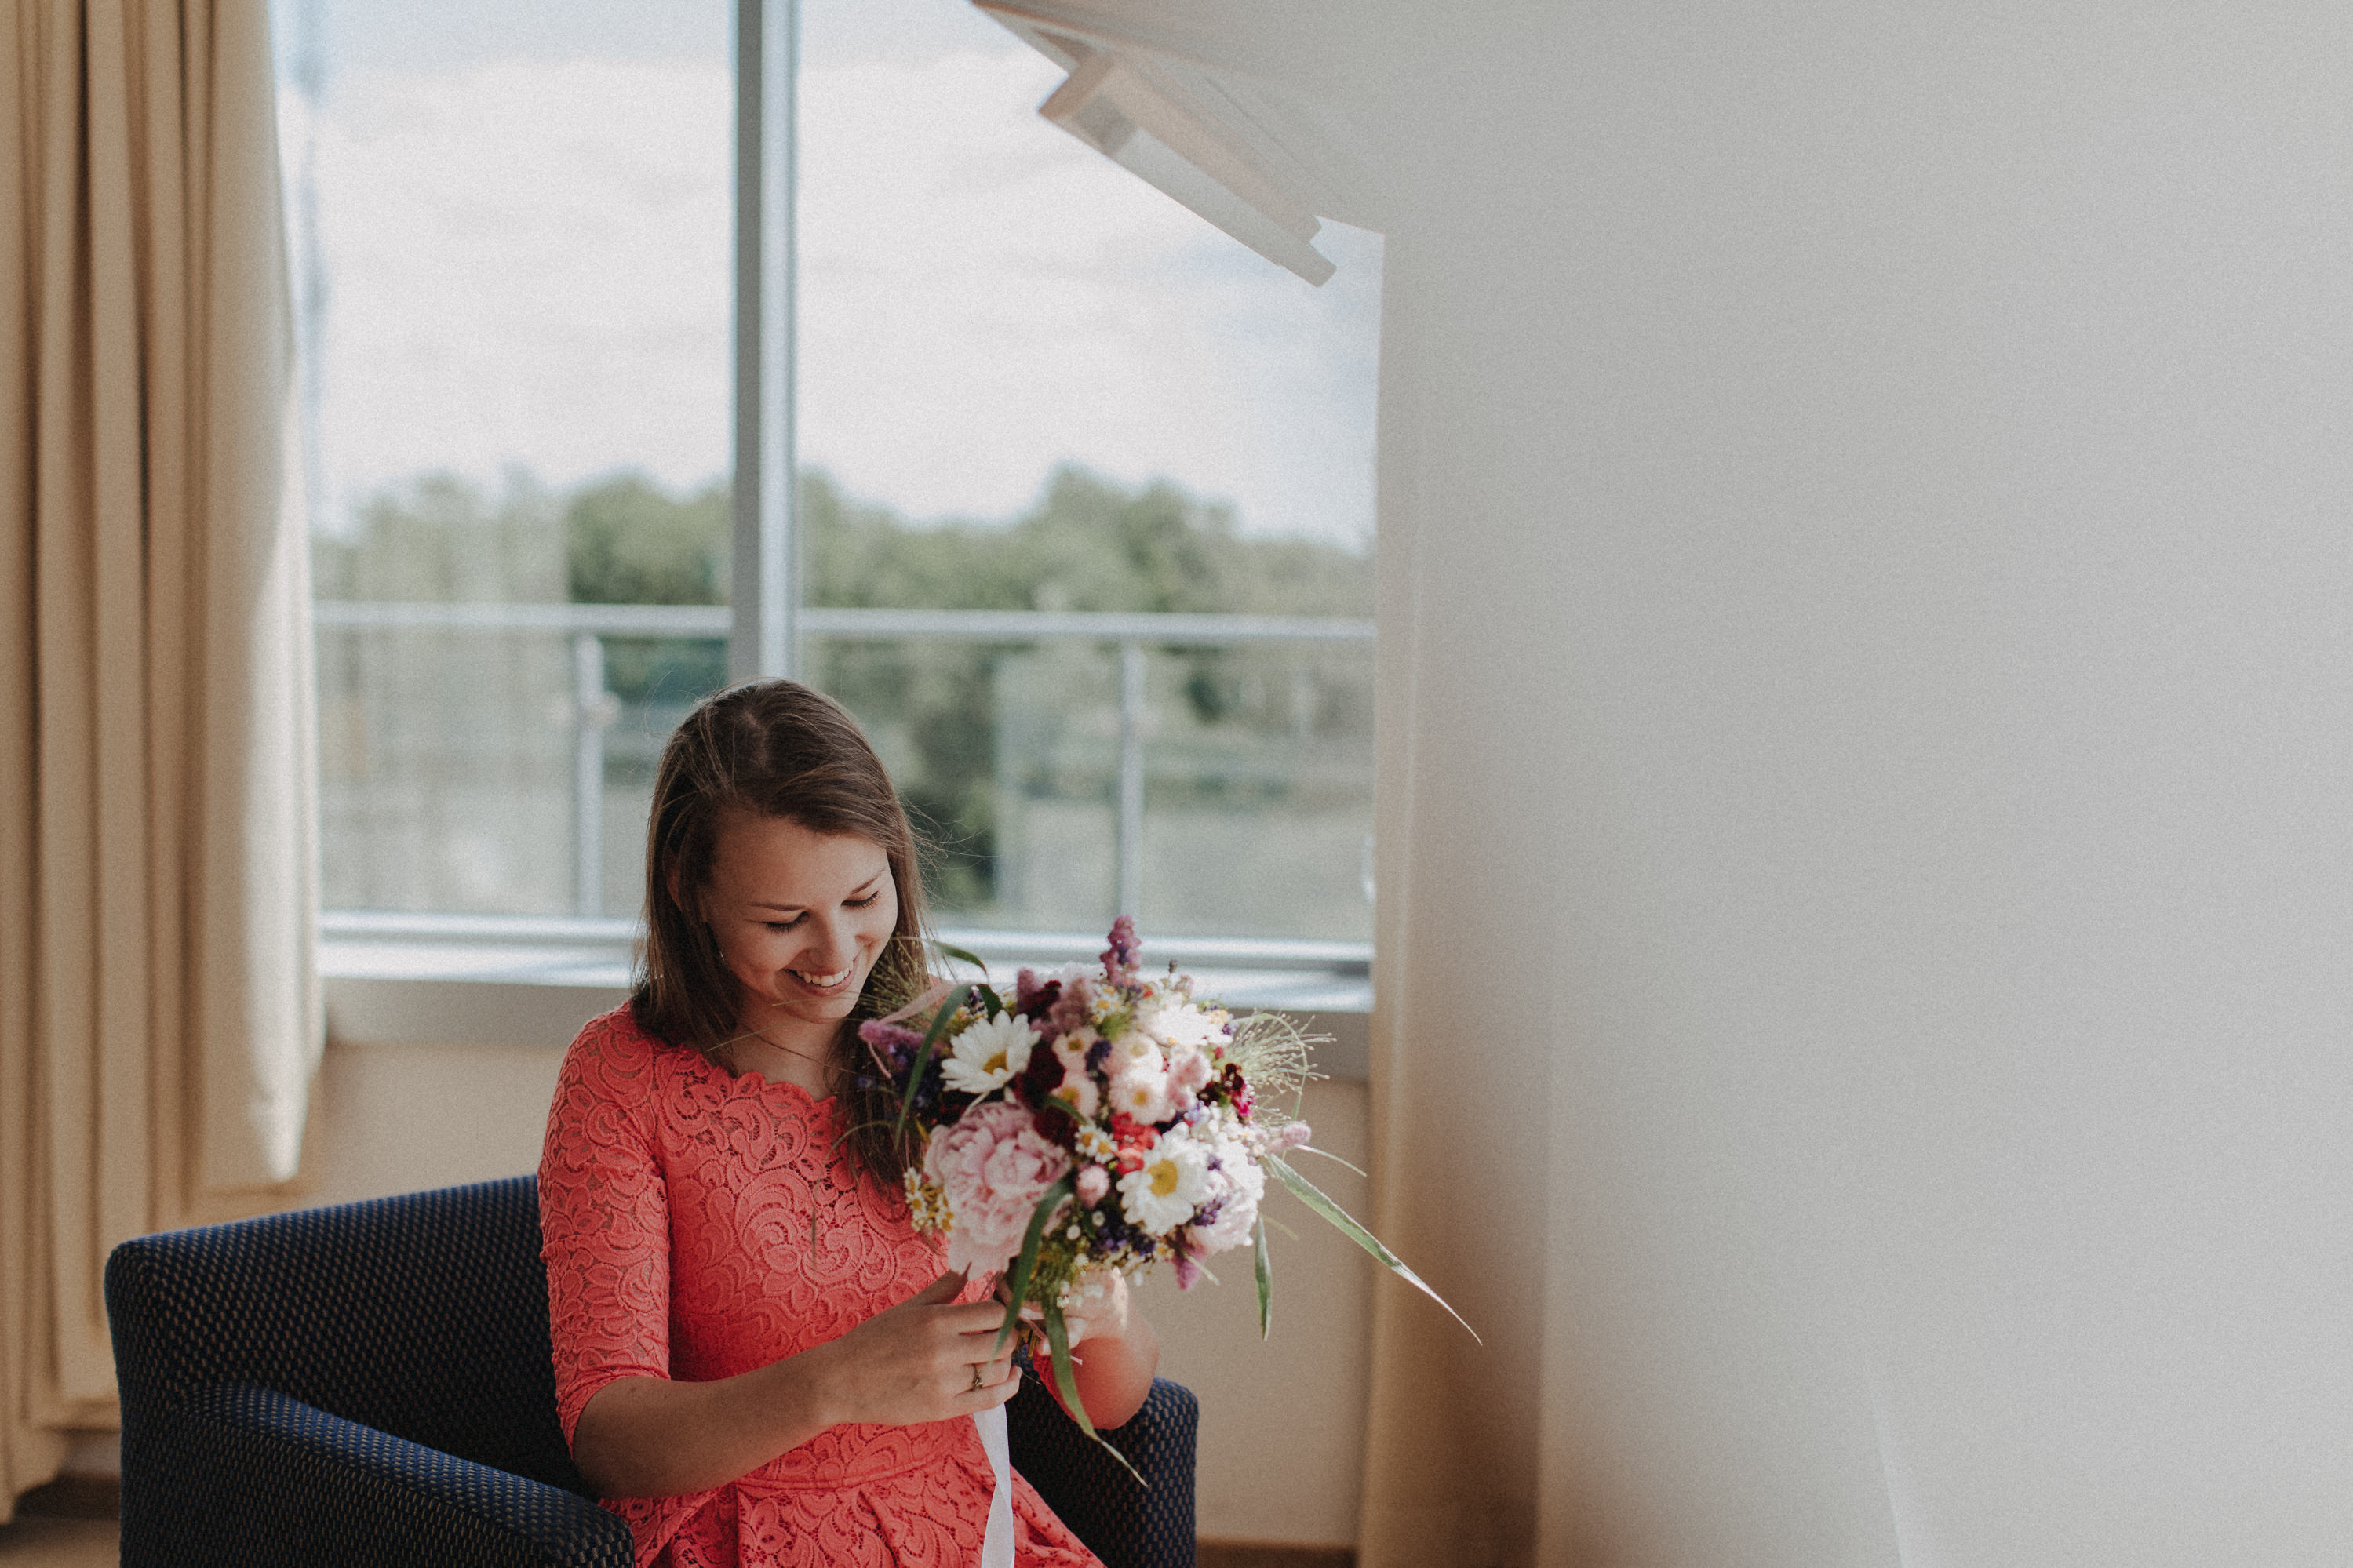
(159, 1015)
(1462, 1035)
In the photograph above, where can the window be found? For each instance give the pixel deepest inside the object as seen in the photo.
(1082, 512)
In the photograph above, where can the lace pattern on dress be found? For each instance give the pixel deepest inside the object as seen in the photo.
(699, 1223)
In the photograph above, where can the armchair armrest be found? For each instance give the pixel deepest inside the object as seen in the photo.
(246, 1474)
(1127, 1525)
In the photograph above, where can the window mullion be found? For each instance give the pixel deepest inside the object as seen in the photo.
(766, 596)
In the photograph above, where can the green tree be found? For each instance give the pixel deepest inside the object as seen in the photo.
(441, 540)
(1087, 543)
(628, 542)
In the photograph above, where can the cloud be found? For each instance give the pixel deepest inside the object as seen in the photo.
(527, 264)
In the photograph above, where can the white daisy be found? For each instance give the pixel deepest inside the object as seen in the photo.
(1174, 1179)
(1139, 1088)
(1237, 1185)
(983, 1056)
(1178, 1023)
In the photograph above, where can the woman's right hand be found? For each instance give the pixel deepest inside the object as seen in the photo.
(649, 1437)
(915, 1361)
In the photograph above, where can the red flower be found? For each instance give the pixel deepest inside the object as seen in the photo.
(1039, 1076)
(1054, 1124)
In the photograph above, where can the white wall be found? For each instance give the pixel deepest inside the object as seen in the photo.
(1880, 500)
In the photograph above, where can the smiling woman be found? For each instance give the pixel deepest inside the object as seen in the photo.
(749, 781)
(757, 1357)
(799, 918)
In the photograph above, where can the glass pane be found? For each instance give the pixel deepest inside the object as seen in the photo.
(437, 787)
(512, 234)
(1007, 756)
(1258, 800)
(1028, 381)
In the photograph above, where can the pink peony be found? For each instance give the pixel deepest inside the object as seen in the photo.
(1188, 1071)
(993, 1167)
(1093, 1183)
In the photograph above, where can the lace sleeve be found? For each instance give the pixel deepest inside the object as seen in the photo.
(603, 1217)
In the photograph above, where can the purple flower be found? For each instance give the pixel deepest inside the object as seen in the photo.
(1074, 1009)
(1031, 996)
(893, 1046)
(1098, 1054)
(1120, 958)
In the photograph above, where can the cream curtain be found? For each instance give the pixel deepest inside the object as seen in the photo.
(1462, 1048)
(159, 1015)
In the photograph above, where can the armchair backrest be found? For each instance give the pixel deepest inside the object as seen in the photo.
(423, 1315)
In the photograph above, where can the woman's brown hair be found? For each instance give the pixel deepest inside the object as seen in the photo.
(775, 748)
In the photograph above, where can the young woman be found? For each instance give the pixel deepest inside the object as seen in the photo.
(757, 1359)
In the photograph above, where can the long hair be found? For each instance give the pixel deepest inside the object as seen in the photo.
(775, 748)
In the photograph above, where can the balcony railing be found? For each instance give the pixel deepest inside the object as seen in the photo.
(595, 709)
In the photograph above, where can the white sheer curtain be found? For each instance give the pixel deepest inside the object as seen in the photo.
(159, 1015)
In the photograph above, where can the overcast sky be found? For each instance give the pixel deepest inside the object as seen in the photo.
(524, 219)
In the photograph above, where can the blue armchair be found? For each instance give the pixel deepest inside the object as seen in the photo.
(371, 1383)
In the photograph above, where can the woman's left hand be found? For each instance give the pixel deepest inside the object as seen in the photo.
(1100, 1313)
(1116, 1378)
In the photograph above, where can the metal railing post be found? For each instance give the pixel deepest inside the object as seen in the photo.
(1132, 633)
(1131, 779)
(592, 712)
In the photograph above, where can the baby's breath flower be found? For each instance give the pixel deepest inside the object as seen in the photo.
(927, 1205)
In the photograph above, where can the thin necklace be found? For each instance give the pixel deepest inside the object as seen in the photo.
(761, 1035)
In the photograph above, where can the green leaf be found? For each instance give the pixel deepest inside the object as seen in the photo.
(996, 1004)
(1306, 1193)
(1265, 1283)
(1310, 1149)
(1058, 1344)
(1026, 1266)
(954, 1000)
(961, 955)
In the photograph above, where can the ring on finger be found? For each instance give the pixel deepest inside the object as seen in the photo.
(978, 1382)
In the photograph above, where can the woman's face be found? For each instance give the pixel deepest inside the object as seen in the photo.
(800, 918)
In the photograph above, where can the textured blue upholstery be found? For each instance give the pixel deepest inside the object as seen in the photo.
(371, 1383)
(1122, 1523)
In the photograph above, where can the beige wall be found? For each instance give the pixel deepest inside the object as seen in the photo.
(1280, 1420)
(396, 1118)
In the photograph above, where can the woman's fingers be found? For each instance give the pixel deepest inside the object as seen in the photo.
(925, 1359)
(988, 1382)
(939, 1292)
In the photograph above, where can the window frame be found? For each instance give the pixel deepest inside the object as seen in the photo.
(764, 623)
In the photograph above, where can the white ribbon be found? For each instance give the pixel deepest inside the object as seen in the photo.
(997, 1546)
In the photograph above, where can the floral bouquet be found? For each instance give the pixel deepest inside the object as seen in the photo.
(1098, 1119)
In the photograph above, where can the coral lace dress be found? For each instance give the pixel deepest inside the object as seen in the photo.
(701, 1224)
